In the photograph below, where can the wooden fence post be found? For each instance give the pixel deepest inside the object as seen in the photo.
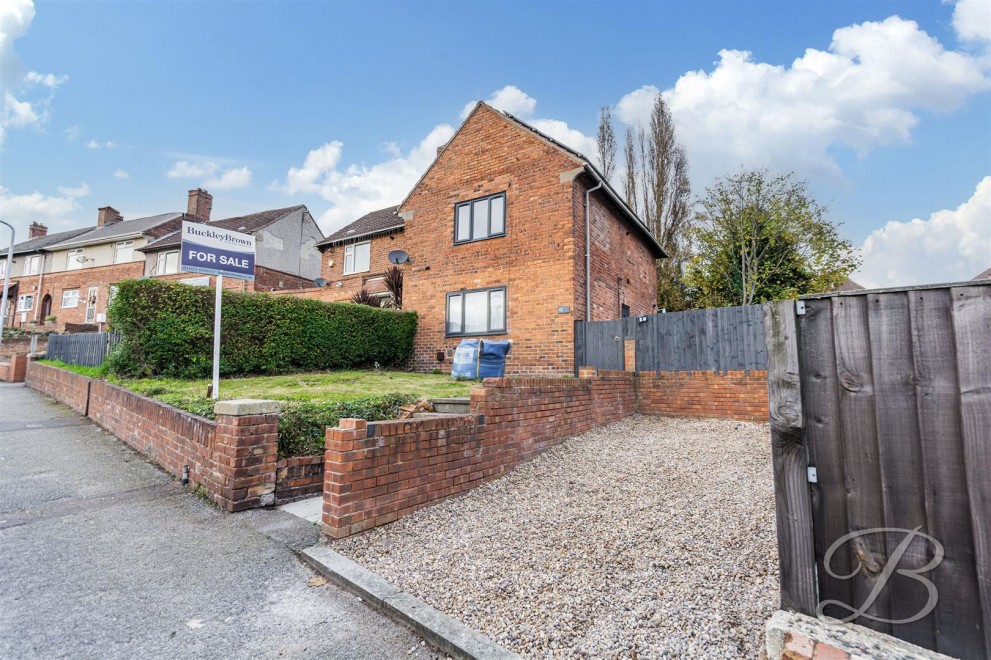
(793, 501)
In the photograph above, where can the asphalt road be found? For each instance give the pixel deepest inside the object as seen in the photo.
(103, 555)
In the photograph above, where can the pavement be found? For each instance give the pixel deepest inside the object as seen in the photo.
(104, 555)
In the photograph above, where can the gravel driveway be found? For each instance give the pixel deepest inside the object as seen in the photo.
(650, 537)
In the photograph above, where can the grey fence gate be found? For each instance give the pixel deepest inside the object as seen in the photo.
(722, 339)
(88, 349)
(881, 437)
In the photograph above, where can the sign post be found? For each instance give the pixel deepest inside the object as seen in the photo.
(218, 252)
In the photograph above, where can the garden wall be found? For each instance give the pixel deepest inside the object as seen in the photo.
(233, 459)
(739, 395)
(378, 472)
(14, 370)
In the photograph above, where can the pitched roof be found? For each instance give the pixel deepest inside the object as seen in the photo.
(848, 285)
(986, 275)
(370, 224)
(122, 229)
(634, 220)
(248, 224)
(35, 244)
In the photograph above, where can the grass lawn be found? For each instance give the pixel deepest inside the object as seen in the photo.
(327, 387)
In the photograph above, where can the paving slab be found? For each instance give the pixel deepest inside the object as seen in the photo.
(105, 556)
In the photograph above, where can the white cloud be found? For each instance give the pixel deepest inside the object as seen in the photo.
(95, 144)
(863, 92)
(121, 174)
(952, 245)
(359, 189)
(509, 99)
(21, 209)
(972, 20)
(184, 169)
(209, 172)
(23, 107)
(237, 177)
(73, 132)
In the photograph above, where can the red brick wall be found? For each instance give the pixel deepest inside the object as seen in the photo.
(61, 385)
(54, 284)
(15, 370)
(376, 473)
(351, 284)
(736, 395)
(533, 260)
(623, 268)
(233, 459)
(268, 279)
(298, 477)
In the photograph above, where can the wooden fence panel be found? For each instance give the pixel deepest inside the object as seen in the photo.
(88, 349)
(729, 338)
(895, 406)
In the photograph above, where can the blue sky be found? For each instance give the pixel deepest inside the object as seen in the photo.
(883, 106)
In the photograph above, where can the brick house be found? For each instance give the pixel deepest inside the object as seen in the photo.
(495, 233)
(70, 275)
(286, 254)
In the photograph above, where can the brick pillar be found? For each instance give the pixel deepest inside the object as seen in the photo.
(246, 452)
(344, 446)
(630, 355)
(588, 372)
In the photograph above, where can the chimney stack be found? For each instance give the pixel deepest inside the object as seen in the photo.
(200, 204)
(108, 215)
(37, 230)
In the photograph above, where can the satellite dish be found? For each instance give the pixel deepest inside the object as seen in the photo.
(320, 282)
(398, 257)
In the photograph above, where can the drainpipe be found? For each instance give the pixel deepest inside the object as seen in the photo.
(41, 276)
(588, 252)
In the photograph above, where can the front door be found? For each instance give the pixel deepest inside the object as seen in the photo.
(91, 304)
(46, 307)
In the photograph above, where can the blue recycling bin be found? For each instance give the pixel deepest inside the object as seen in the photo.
(479, 358)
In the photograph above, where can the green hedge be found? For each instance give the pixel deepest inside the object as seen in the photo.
(167, 330)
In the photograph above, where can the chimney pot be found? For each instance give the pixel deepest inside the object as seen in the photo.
(200, 204)
(37, 230)
(108, 215)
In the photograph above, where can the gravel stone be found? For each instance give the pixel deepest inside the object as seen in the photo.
(650, 537)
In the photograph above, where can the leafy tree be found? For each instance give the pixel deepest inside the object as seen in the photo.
(760, 238)
(658, 189)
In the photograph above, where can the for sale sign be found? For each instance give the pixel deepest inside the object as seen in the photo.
(216, 251)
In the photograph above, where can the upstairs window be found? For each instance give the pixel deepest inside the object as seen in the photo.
(123, 252)
(75, 260)
(168, 263)
(480, 312)
(32, 265)
(478, 219)
(357, 258)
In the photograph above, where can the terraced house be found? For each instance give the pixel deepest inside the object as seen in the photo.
(64, 281)
(510, 235)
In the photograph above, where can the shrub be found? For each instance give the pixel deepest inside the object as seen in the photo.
(167, 330)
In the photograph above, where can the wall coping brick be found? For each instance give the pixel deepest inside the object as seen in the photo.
(790, 635)
(244, 407)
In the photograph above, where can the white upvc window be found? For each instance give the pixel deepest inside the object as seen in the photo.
(357, 258)
(76, 259)
(25, 303)
(168, 263)
(123, 252)
(32, 265)
(70, 298)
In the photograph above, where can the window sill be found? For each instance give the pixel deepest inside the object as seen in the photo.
(497, 333)
(479, 240)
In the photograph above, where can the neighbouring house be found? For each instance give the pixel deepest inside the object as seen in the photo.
(986, 275)
(847, 285)
(495, 231)
(71, 275)
(286, 253)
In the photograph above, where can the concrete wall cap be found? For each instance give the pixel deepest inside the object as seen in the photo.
(242, 407)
